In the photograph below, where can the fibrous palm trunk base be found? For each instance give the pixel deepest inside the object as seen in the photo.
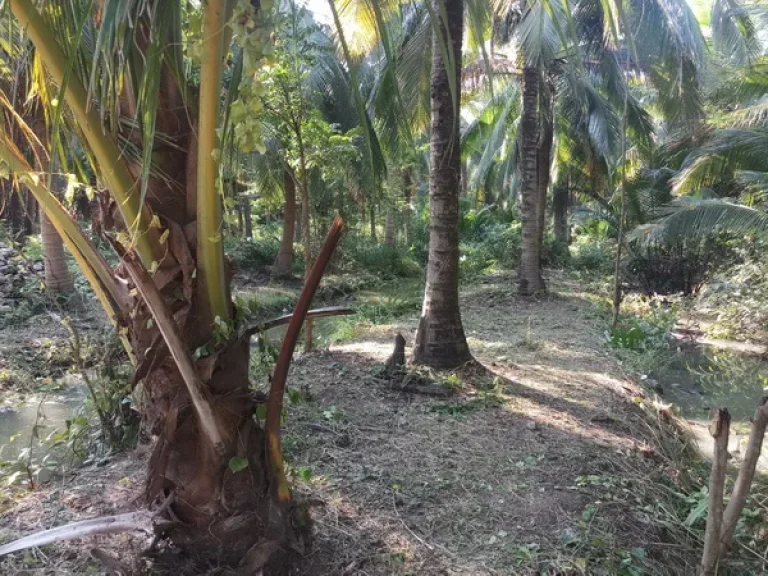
(224, 513)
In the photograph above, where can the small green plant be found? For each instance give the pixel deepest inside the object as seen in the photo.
(529, 341)
(333, 414)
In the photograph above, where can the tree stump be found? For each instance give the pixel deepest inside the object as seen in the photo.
(396, 362)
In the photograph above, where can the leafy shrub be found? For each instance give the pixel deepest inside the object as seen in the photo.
(554, 253)
(738, 293)
(676, 265)
(592, 256)
(362, 253)
(254, 253)
(474, 223)
(642, 336)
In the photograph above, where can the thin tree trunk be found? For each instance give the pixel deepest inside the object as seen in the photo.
(544, 156)
(30, 215)
(284, 262)
(58, 278)
(389, 228)
(240, 220)
(440, 339)
(464, 181)
(530, 280)
(407, 195)
(16, 215)
(306, 232)
(560, 213)
(617, 291)
(297, 225)
(719, 428)
(743, 482)
(247, 217)
(372, 212)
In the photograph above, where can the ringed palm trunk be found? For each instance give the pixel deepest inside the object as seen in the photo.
(227, 516)
(15, 213)
(30, 215)
(372, 214)
(544, 158)
(440, 339)
(530, 280)
(389, 228)
(247, 217)
(305, 228)
(58, 278)
(284, 262)
(407, 194)
(560, 213)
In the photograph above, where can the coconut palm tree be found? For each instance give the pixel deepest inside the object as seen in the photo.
(121, 76)
(420, 46)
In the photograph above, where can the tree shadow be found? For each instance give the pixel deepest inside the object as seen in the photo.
(487, 481)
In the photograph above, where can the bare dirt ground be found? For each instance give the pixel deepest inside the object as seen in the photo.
(534, 466)
(542, 462)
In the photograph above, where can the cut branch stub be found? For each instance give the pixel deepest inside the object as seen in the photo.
(720, 429)
(746, 475)
(280, 376)
(396, 362)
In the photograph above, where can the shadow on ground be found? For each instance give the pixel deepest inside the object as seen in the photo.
(539, 463)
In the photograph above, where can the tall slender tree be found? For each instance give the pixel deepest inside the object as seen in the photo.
(530, 279)
(440, 339)
(157, 152)
(284, 262)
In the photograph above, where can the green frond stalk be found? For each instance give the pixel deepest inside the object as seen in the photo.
(210, 249)
(113, 167)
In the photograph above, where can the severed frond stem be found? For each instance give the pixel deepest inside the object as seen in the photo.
(280, 376)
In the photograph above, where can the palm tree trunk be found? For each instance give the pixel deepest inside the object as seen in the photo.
(212, 501)
(31, 215)
(440, 339)
(372, 213)
(58, 278)
(407, 194)
(306, 231)
(544, 156)
(240, 219)
(297, 224)
(530, 280)
(15, 214)
(284, 262)
(389, 228)
(247, 217)
(560, 213)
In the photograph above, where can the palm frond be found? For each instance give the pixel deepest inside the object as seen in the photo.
(688, 218)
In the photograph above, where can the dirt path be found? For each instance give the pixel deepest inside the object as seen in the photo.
(524, 470)
(539, 463)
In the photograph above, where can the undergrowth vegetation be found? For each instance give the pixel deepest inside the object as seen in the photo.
(104, 422)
